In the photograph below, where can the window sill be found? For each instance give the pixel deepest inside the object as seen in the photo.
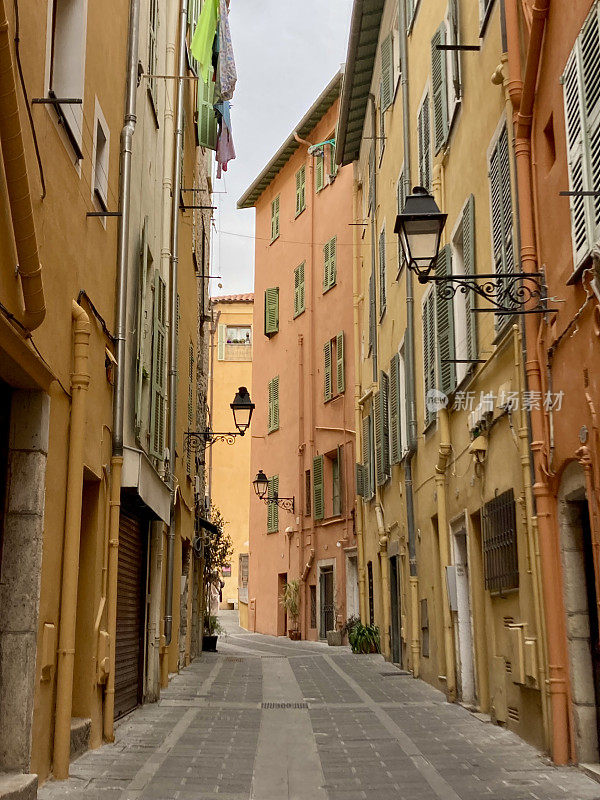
(299, 213)
(576, 275)
(332, 520)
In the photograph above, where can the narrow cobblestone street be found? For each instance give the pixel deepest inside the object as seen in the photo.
(269, 719)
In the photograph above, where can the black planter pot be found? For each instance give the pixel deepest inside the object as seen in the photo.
(209, 644)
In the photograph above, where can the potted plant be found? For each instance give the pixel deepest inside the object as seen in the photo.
(212, 629)
(290, 601)
(364, 638)
(217, 551)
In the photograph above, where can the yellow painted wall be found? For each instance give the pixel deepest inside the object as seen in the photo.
(231, 464)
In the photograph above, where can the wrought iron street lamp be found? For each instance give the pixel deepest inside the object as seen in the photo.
(242, 408)
(420, 227)
(261, 487)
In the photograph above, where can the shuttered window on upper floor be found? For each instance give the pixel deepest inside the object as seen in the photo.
(365, 470)
(463, 263)
(334, 376)
(300, 190)
(330, 264)
(444, 327)
(320, 169)
(502, 211)
(273, 408)
(581, 85)
(439, 88)
(299, 290)
(382, 274)
(271, 311)
(318, 487)
(382, 430)
(429, 351)
(207, 120)
(272, 508)
(424, 143)
(159, 381)
(275, 219)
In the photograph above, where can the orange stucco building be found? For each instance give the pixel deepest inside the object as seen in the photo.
(303, 381)
(553, 58)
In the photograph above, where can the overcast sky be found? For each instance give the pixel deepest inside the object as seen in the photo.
(286, 53)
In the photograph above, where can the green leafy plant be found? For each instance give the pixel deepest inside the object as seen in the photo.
(351, 623)
(290, 601)
(364, 638)
(212, 626)
(216, 552)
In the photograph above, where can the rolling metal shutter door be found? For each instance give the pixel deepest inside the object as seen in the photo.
(130, 614)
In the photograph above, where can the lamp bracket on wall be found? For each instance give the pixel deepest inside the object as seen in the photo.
(507, 292)
(286, 503)
(195, 440)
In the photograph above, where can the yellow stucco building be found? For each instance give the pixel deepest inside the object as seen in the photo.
(229, 466)
(448, 554)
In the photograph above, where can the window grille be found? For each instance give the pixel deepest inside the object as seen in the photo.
(500, 557)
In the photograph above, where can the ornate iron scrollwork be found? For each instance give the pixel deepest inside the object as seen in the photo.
(196, 440)
(286, 503)
(507, 292)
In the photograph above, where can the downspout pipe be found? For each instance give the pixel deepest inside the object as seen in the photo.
(545, 510)
(80, 381)
(179, 136)
(17, 184)
(415, 632)
(126, 150)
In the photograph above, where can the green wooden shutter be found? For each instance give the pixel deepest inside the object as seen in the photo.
(272, 508)
(429, 350)
(141, 327)
(221, 343)
(501, 202)
(366, 456)
(270, 408)
(327, 372)
(439, 87)
(340, 369)
(468, 233)
(207, 121)
(320, 171)
(332, 262)
(299, 290)
(271, 311)
(300, 190)
(395, 414)
(384, 396)
(159, 388)
(326, 266)
(382, 275)
(275, 403)
(424, 142)
(360, 487)
(318, 488)
(380, 472)
(387, 72)
(444, 312)
(275, 219)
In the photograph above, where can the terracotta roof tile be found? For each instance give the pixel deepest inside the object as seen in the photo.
(233, 298)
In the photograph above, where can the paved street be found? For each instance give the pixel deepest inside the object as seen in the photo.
(269, 719)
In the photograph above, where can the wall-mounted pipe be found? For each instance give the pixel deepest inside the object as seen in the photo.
(179, 142)
(126, 150)
(80, 381)
(17, 184)
(385, 579)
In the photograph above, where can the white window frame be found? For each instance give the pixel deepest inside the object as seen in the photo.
(100, 181)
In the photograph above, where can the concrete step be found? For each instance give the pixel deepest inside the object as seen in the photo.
(80, 736)
(16, 786)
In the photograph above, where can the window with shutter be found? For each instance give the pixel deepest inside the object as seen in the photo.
(444, 313)
(141, 328)
(439, 88)
(401, 190)
(340, 369)
(387, 72)
(501, 209)
(159, 384)
(378, 431)
(395, 415)
(273, 421)
(221, 343)
(428, 316)
(367, 457)
(207, 120)
(382, 275)
(300, 190)
(581, 81)
(333, 167)
(275, 219)
(190, 408)
(329, 264)
(152, 51)
(360, 487)
(272, 508)
(468, 254)
(327, 372)
(271, 311)
(384, 412)
(336, 480)
(318, 488)
(299, 290)
(320, 170)
(455, 92)
(381, 133)
(424, 142)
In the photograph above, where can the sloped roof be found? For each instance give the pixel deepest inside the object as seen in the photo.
(362, 48)
(315, 113)
(233, 298)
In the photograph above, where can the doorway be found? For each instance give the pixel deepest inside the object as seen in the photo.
(581, 611)
(326, 604)
(463, 624)
(352, 597)
(396, 603)
(281, 612)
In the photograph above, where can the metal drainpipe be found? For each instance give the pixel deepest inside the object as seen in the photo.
(127, 132)
(80, 381)
(179, 136)
(415, 645)
(214, 326)
(17, 184)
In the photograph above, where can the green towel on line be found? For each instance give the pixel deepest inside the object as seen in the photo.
(204, 36)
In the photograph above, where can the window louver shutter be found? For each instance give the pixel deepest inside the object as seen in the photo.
(327, 372)
(439, 88)
(424, 141)
(320, 172)
(300, 190)
(275, 218)
(318, 488)
(590, 62)
(501, 199)
(366, 456)
(429, 350)
(332, 261)
(360, 481)
(395, 416)
(444, 311)
(573, 95)
(141, 327)
(387, 72)
(377, 426)
(455, 39)
(299, 290)
(276, 403)
(340, 370)
(271, 311)
(384, 412)
(207, 121)
(157, 409)
(272, 508)
(221, 343)
(468, 232)
(382, 274)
